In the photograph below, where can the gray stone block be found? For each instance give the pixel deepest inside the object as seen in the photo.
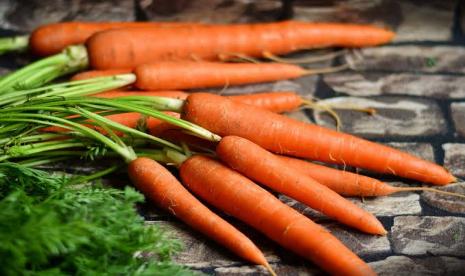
(395, 117)
(458, 116)
(411, 235)
(448, 203)
(411, 20)
(454, 159)
(406, 266)
(373, 84)
(26, 15)
(218, 11)
(410, 58)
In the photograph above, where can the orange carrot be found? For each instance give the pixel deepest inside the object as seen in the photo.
(52, 38)
(287, 136)
(275, 101)
(129, 47)
(266, 168)
(190, 74)
(98, 73)
(158, 184)
(238, 196)
(351, 184)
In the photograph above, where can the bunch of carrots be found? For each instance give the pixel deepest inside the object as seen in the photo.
(238, 141)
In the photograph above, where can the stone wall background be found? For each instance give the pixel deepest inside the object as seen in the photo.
(417, 85)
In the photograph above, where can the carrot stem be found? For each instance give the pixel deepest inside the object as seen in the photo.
(74, 88)
(14, 44)
(72, 59)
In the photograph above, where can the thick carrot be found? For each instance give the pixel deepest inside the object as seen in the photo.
(238, 196)
(190, 74)
(158, 184)
(351, 184)
(287, 136)
(268, 169)
(129, 47)
(99, 73)
(275, 101)
(52, 38)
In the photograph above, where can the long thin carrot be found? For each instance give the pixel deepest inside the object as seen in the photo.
(174, 75)
(352, 184)
(52, 38)
(266, 168)
(238, 196)
(134, 46)
(157, 183)
(287, 136)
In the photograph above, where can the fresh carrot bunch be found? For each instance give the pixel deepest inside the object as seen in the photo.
(240, 140)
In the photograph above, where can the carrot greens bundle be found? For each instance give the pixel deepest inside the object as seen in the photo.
(49, 225)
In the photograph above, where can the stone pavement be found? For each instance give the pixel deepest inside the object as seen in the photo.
(416, 85)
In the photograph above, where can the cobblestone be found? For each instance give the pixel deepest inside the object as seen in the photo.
(454, 159)
(406, 266)
(370, 84)
(411, 58)
(395, 117)
(25, 15)
(412, 235)
(412, 20)
(458, 116)
(448, 203)
(219, 11)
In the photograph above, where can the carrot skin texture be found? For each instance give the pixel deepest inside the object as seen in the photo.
(52, 38)
(235, 194)
(284, 135)
(158, 184)
(342, 182)
(276, 101)
(135, 46)
(190, 74)
(268, 169)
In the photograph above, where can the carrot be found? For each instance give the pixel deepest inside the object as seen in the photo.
(171, 75)
(158, 184)
(98, 73)
(275, 101)
(129, 47)
(287, 136)
(351, 184)
(266, 168)
(238, 196)
(52, 38)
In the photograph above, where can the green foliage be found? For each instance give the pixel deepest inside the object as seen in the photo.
(50, 228)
